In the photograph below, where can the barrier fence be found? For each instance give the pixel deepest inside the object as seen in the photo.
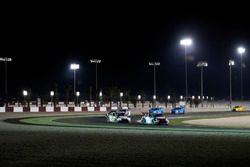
(54, 109)
(215, 106)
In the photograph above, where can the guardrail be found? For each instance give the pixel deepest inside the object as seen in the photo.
(216, 107)
(53, 109)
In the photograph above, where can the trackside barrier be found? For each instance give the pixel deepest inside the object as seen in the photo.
(54, 109)
(42, 109)
(9, 109)
(18, 109)
(64, 109)
(2, 109)
(26, 109)
(71, 109)
(57, 109)
(91, 108)
(103, 109)
(84, 109)
(78, 109)
(49, 109)
(34, 109)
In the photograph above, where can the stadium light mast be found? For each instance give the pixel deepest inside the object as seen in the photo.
(52, 93)
(77, 98)
(121, 95)
(154, 64)
(5, 60)
(186, 43)
(202, 64)
(168, 97)
(25, 94)
(231, 63)
(96, 61)
(74, 67)
(241, 50)
(100, 96)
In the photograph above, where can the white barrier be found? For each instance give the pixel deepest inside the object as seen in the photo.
(34, 109)
(18, 109)
(49, 109)
(78, 109)
(2, 109)
(103, 108)
(91, 108)
(64, 109)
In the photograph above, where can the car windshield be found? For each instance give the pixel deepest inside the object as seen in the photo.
(121, 113)
(112, 113)
(155, 112)
(158, 115)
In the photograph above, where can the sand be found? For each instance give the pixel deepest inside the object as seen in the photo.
(236, 122)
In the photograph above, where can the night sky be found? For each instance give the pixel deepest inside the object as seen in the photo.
(43, 43)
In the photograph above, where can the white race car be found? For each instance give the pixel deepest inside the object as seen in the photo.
(119, 116)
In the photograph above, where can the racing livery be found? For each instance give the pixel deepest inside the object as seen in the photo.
(155, 116)
(238, 109)
(178, 110)
(119, 116)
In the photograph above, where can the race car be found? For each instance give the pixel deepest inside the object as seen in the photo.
(119, 116)
(178, 110)
(238, 109)
(155, 116)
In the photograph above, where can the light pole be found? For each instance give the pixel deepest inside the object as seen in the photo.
(77, 97)
(168, 98)
(231, 63)
(121, 95)
(52, 95)
(186, 42)
(74, 67)
(96, 61)
(25, 94)
(100, 96)
(139, 98)
(154, 64)
(241, 50)
(202, 64)
(154, 99)
(193, 97)
(5, 60)
(181, 97)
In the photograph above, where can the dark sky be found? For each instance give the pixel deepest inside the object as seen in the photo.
(43, 41)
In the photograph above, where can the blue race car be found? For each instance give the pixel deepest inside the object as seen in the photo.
(178, 110)
(155, 116)
(156, 112)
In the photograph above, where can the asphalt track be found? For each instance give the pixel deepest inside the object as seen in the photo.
(175, 126)
(135, 117)
(51, 139)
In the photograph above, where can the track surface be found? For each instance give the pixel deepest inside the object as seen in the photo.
(32, 145)
(101, 120)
